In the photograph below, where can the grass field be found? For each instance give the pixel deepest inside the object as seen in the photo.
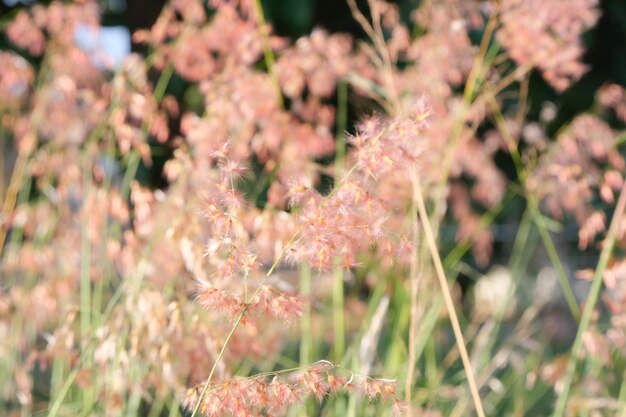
(230, 222)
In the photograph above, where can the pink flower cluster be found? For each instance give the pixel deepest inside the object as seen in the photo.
(316, 62)
(15, 80)
(272, 397)
(352, 218)
(583, 165)
(546, 35)
(613, 96)
(268, 302)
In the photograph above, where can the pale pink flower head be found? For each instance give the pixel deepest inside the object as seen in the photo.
(315, 63)
(385, 145)
(545, 34)
(582, 164)
(16, 78)
(24, 33)
(613, 96)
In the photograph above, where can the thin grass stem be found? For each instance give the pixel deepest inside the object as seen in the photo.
(592, 298)
(447, 297)
(268, 53)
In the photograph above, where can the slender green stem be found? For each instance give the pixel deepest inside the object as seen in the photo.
(17, 233)
(534, 208)
(519, 254)
(86, 305)
(415, 281)
(133, 157)
(268, 53)
(339, 345)
(157, 407)
(174, 407)
(29, 142)
(305, 322)
(56, 406)
(342, 120)
(339, 342)
(85, 253)
(621, 397)
(470, 91)
(553, 254)
(15, 183)
(163, 82)
(590, 305)
(218, 359)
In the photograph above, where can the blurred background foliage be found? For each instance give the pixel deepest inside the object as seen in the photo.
(605, 56)
(605, 43)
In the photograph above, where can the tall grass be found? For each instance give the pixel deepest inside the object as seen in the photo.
(299, 260)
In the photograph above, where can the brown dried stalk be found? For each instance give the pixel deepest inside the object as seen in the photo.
(447, 297)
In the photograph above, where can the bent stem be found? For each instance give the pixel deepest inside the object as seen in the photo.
(594, 292)
(447, 297)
